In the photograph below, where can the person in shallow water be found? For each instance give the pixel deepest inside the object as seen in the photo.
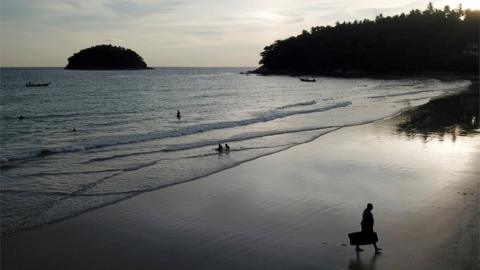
(367, 224)
(179, 115)
(227, 147)
(219, 148)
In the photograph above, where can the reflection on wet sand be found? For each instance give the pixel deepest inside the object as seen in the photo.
(359, 264)
(456, 115)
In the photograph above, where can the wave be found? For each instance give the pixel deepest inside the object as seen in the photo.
(129, 139)
(213, 143)
(132, 168)
(69, 116)
(82, 191)
(307, 103)
(63, 193)
(240, 137)
(403, 94)
(70, 172)
(444, 88)
(128, 193)
(235, 138)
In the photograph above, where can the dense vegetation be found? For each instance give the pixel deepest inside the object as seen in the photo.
(422, 41)
(106, 57)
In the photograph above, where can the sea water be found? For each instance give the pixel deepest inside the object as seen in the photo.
(128, 140)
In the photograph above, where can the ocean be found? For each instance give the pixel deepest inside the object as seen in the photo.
(128, 140)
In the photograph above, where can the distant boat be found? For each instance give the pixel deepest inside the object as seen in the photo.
(308, 80)
(31, 84)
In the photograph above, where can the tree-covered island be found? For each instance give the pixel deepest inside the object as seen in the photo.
(106, 57)
(429, 41)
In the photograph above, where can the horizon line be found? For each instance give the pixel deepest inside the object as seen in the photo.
(132, 69)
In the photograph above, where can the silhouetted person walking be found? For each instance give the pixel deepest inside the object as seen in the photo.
(179, 115)
(367, 224)
(219, 148)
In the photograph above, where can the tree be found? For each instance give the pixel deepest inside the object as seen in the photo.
(432, 40)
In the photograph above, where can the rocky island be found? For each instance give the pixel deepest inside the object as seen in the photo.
(104, 57)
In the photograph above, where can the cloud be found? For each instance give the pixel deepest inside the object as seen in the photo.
(72, 3)
(142, 8)
(389, 9)
(114, 41)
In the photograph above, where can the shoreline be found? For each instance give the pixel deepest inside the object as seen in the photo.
(441, 75)
(162, 217)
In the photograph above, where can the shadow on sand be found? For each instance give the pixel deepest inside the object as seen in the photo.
(450, 116)
(359, 264)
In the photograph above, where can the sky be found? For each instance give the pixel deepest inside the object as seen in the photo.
(169, 33)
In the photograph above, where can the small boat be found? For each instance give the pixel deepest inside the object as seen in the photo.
(31, 84)
(308, 80)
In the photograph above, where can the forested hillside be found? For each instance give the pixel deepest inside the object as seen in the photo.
(444, 40)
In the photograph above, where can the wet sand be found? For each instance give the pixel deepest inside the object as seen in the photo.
(290, 210)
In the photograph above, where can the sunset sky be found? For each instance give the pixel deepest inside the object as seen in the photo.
(173, 32)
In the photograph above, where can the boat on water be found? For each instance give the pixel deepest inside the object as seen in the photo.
(308, 80)
(31, 84)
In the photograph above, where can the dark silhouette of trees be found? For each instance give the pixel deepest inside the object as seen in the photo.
(106, 57)
(421, 41)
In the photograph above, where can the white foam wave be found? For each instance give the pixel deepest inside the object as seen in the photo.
(129, 139)
(307, 103)
(240, 137)
(403, 94)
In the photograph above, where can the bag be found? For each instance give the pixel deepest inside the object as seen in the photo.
(363, 238)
